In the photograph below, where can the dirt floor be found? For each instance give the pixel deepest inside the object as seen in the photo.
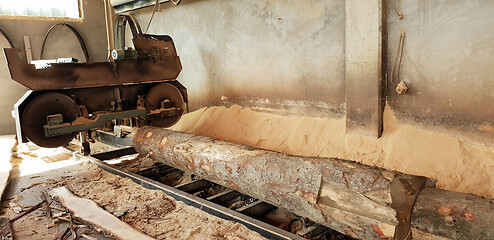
(151, 212)
(457, 164)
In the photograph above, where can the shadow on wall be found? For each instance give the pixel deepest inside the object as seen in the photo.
(9, 93)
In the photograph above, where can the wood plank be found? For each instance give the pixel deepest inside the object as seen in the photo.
(89, 211)
(27, 46)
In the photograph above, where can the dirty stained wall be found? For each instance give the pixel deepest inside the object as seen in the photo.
(447, 64)
(290, 50)
(284, 50)
(61, 43)
(364, 46)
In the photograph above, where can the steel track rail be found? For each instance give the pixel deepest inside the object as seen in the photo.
(264, 229)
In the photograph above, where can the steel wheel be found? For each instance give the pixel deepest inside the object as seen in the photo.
(158, 94)
(34, 118)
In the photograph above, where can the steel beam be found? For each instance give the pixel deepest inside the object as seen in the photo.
(194, 186)
(224, 196)
(256, 209)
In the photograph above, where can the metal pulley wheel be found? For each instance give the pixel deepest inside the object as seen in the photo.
(160, 93)
(34, 118)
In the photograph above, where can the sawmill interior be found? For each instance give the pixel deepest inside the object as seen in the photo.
(245, 119)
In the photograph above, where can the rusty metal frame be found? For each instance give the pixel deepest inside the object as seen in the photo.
(146, 68)
(92, 84)
(77, 126)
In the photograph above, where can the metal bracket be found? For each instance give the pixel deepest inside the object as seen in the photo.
(56, 128)
(164, 112)
(404, 192)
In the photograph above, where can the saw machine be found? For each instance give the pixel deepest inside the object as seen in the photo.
(67, 98)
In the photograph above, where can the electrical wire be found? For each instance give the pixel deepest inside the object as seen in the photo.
(75, 32)
(157, 3)
(400, 14)
(400, 54)
(152, 15)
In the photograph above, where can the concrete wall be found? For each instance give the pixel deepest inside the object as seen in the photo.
(285, 51)
(293, 53)
(448, 64)
(364, 33)
(61, 43)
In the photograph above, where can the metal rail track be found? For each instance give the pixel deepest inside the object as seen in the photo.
(226, 203)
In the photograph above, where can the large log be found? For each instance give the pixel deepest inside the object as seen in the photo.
(360, 201)
(454, 215)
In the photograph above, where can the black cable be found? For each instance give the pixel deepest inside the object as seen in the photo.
(156, 4)
(152, 15)
(76, 33)
(6, 37)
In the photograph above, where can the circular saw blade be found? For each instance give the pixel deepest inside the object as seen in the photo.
(34, 118)
(157, 95)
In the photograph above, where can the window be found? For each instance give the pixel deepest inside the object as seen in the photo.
(41, 8)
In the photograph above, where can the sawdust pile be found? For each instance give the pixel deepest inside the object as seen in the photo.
(154, 213)
(151, 212)
(457, 165)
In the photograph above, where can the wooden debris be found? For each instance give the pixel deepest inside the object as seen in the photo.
(48, 201)
(90, 212)
(5, 229)
(64, 234)
(27, 211)
(15, 208)
(89, 237)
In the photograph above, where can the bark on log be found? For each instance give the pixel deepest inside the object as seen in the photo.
(346, 196)
(454, 215)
